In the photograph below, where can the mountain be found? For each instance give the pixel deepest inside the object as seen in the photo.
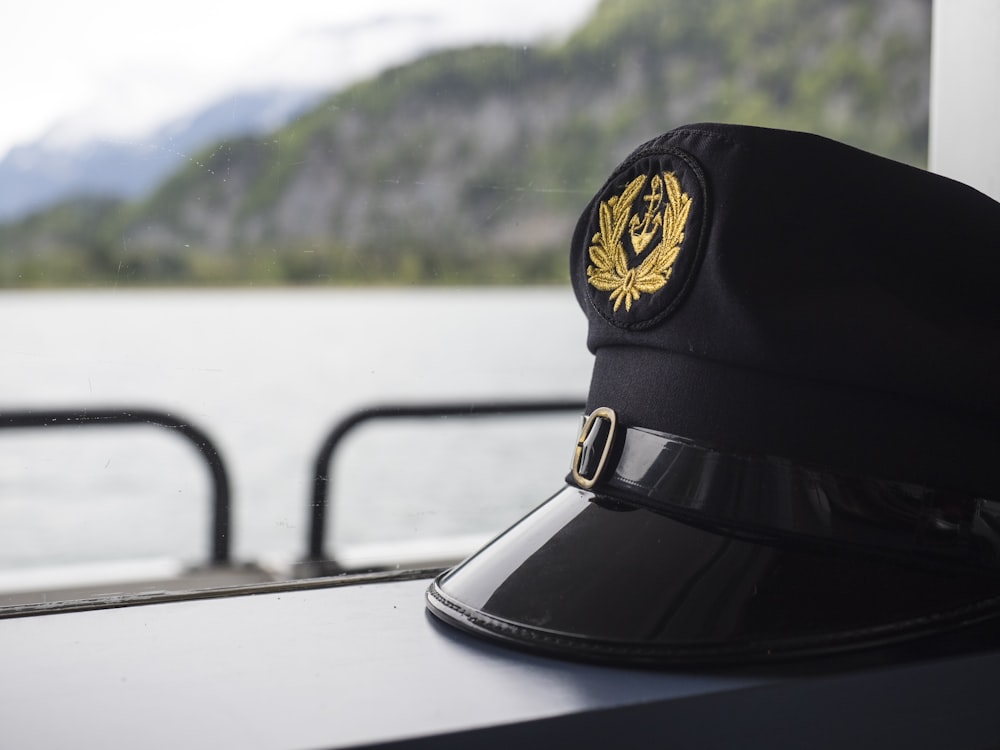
(473, 164)
(34, 176)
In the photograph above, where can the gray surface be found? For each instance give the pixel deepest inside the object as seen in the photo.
(334, 667)
(319, 668)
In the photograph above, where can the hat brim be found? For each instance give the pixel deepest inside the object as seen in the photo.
(604, 580)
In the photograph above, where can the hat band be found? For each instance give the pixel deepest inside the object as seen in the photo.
(774, 497)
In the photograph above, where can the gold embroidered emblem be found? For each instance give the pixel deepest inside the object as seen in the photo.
(663, 219)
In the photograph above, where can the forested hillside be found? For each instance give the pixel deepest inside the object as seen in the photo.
(472, 165)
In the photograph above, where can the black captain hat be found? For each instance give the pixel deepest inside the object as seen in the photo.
(792, 440)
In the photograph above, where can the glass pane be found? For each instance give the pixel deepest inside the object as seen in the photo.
(260, 222)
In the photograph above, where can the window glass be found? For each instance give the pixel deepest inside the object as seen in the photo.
(250, 224)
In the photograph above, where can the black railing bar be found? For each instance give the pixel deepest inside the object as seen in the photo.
(220, 542)
(322, 475)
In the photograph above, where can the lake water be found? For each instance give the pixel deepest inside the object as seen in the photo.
(266, 374)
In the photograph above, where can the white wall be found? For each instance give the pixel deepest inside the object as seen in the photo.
(965, 92)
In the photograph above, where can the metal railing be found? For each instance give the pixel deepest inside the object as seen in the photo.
(220, 539)
(322, 475)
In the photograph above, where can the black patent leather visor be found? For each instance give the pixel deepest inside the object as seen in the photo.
(589, 579)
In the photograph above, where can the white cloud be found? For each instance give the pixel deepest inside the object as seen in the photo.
(117, 67)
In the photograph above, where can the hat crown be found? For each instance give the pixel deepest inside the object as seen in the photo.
(791, 256)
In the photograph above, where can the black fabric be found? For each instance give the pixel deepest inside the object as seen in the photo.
(838, 427)
(872, 282)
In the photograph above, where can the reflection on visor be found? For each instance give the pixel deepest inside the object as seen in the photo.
(581, 578)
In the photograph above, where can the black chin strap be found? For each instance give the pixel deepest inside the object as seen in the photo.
(774, 497)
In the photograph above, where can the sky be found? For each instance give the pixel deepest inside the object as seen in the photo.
(75, 69)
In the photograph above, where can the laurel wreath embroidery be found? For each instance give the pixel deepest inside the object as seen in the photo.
(610, 271)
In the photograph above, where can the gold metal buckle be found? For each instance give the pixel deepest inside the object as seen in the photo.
(602, 412)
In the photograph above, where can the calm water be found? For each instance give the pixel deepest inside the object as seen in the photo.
(266, 373)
